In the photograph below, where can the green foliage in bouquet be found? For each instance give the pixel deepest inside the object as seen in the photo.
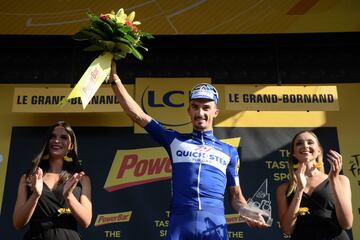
(116, 33)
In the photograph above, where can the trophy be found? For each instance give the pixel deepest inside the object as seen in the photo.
(259, 206)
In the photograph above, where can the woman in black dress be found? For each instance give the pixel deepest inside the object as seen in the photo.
(312, 204)
(54, 196)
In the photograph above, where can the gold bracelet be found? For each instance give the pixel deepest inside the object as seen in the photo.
(114, 82)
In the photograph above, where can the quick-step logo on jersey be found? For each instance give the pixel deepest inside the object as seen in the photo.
(204, 154)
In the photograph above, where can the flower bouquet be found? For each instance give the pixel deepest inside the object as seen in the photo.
(113, 34)
(116, 33)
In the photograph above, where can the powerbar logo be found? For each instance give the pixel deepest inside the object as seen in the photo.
(103, 219)
(141, 166)
(138, 166)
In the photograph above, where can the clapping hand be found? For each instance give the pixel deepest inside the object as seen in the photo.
(335, 160)
(71, 183)
(300, 175)
(37, 181)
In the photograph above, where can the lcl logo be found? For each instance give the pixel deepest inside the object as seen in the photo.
(166, 99)
(172, 99)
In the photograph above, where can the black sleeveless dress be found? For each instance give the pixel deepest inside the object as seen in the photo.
(52, 219)
(318, 220)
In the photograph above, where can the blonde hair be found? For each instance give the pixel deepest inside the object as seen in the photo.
(293, 161)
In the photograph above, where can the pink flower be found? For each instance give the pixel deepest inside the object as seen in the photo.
(130, 24)
(104, 17)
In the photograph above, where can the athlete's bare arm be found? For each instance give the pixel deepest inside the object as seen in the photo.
(131, 108)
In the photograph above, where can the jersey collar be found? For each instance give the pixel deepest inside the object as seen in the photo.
(207, 135)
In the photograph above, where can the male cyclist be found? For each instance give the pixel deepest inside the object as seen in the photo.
(202, 166)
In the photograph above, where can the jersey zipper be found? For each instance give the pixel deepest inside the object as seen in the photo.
(199, 173)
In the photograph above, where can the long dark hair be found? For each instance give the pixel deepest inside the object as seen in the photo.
(41, 160)
(293, 161)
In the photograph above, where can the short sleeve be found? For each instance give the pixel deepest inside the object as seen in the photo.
(159, 133)
(232, 170)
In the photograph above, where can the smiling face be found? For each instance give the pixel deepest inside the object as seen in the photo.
(59, 143)
(202, 113)
(306, 147)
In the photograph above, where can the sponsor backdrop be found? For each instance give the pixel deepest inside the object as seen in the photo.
(130, 173)
(56, 17)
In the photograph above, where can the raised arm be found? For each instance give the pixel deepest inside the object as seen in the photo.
(340, 185)
(132, 109)
(81, 209)
(24, 205)
(288, 212)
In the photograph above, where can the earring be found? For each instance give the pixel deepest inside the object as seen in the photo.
(68, 157)
(318, 165)
(45, 157)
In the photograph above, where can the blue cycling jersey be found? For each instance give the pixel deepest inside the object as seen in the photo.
(202, 167)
